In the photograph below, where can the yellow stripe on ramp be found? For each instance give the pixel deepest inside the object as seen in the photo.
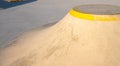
(94, 17)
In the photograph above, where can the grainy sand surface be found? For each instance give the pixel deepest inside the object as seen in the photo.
(16, 20)
(70, 42)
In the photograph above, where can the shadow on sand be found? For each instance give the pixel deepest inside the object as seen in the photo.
(5, 5)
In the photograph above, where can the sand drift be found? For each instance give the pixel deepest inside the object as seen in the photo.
(89, 35)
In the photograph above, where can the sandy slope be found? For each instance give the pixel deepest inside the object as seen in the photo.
(16, 20)
(71, 42)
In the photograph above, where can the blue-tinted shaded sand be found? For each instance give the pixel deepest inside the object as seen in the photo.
(5, 5)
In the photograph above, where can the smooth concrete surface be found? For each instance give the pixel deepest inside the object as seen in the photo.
(16, 20)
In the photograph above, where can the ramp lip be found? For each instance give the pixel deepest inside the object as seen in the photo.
(93, 16)
(98, 9)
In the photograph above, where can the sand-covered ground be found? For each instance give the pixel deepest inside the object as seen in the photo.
(16, 20)
(70, 42)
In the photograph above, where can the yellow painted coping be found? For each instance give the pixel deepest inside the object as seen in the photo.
(94, 17)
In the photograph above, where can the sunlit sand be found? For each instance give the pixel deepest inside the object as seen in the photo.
(73, 41)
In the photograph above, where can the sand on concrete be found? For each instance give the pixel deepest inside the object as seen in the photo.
(70, 42)
(16, 20)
